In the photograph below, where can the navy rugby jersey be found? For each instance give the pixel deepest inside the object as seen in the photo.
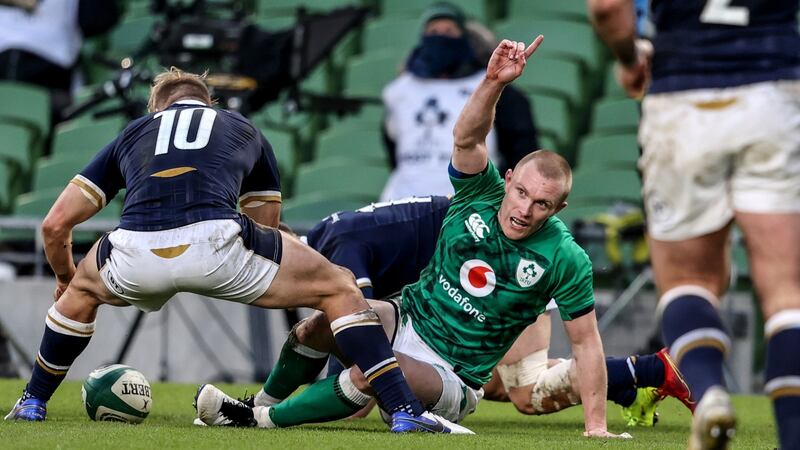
(385, 245)
(183, 165)
(723, 43)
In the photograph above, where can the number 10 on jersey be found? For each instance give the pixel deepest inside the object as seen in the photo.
(181, 137)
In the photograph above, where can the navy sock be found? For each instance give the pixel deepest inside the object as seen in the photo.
(361, 339)
(621, 382)
(334, 366)
(64, 339)
(783, 374)
(696, 339)
(649, 370)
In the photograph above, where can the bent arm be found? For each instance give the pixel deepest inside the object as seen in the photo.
(587, 350)
(71, 208)
(264, 213)
(615, 22)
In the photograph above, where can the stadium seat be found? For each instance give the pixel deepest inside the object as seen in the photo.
(84, 140)
(476, 9)
(552, 117)
(563, 38)
(608, 151)
(304, 211)
(16, 145)
(289, 7)
(575, 10)
(341, 176)
(366, 75)
(556, 77)
(358, 145)
(595, 186)
(390, 33)
(615, 116)
(369, 117)
(283, 145)
(127, 38)
(55, 172)
(26, 105)
(37, 205)
(612, 89)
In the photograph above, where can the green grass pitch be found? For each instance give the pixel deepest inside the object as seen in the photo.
(497, 425)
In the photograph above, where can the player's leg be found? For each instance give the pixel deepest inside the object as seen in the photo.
(69, 326)
(773, 243)
(306, 351)
(306, 278)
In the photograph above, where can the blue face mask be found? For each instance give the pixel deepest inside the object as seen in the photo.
(442, 56)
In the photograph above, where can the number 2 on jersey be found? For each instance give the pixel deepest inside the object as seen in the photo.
(181, 138)
(721, 12)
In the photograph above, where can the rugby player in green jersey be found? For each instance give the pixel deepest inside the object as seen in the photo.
(500, 258)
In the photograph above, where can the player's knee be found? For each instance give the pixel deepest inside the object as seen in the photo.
(308, 329)
(359, 380)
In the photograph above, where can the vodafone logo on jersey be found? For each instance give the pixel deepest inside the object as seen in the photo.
(477, 278)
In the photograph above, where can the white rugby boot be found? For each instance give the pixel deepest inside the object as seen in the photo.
(714, 422)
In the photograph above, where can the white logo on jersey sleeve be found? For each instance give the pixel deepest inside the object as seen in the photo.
(477, 278)
(528, 272)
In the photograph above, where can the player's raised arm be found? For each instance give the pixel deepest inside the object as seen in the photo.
(506, 64)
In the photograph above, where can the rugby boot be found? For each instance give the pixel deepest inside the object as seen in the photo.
(426, 422)
(30, 409)
(714, 421)
(215, 408)
(642, 412)
(674, 385)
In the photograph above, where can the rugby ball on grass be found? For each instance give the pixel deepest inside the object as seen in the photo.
(117, 393)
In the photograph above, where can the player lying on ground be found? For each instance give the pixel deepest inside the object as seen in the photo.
(386, 245)
(500, 258)
(180, 232)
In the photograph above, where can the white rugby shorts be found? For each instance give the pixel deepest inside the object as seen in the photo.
(710, 152)
(457, 400)
(233, 260)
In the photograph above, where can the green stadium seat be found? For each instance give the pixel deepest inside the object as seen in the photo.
(477, 9)
(367, 74)
(608, 151)
(563, 38)
(16, 145)
(274, 23)
(127, 38)
(341, 176)
(5, 187)
(271, 8)
(615, 116)
(358, 145)
(597, 186)
(612, 89)
(369, 117)
(556, 77)
(37, 204)
(553, 119)
(564, 9)
(26, 105)
(56, 172)
(571, 214)
(84, 140)
(390, 33)
(548, 142)
(283, 145)
(304, 211)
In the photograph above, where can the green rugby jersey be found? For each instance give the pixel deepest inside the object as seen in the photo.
(481, 289)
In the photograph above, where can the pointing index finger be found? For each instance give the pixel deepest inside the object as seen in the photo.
(534, 45)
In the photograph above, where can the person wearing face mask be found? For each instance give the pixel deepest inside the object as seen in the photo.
(423, 103)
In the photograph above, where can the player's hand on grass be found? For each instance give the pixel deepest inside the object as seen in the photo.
(605, 434)
(509, 59)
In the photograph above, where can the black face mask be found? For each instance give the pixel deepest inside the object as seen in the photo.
(442, 56)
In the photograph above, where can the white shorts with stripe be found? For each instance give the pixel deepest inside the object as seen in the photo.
(710, 152)
(227, 259)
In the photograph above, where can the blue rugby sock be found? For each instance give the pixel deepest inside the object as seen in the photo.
(64, 339)
(649, 370)
(783, 374)
(694, 334)
(361, 339)
(621, 381)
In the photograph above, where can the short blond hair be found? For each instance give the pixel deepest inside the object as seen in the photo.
(175, 84)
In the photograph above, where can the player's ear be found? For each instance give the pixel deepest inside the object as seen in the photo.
(507, 177)
(560, 207)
